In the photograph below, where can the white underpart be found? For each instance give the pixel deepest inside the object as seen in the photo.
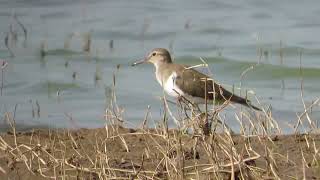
(173, 90)
(170, 86)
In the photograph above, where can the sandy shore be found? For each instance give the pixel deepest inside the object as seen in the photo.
(122, 153)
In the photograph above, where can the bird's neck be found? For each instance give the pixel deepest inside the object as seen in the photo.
(162, 71)
(160, 65)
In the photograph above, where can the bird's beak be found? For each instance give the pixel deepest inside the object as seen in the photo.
(140, 62)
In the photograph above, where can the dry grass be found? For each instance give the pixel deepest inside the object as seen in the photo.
(194, 150)
(260, 151)
(114, 152)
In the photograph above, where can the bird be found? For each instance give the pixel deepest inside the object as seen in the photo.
(181, 80)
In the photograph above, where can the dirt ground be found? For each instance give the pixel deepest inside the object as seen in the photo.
(122, 153)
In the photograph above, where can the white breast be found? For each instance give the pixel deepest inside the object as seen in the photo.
(173, 90)
(169, 85)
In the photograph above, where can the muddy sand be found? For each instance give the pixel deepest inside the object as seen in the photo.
(114, 152)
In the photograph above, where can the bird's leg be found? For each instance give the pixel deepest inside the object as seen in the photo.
(180, 100)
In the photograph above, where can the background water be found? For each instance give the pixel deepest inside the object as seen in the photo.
(229, 35)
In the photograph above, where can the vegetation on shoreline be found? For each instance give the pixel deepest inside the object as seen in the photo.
(195, 150)
(115, 152)
(201, 147)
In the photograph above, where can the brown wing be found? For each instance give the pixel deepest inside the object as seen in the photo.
(193, 83)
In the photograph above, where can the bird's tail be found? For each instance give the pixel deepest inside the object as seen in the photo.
(243, 101)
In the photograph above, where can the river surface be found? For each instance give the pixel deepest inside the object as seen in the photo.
(71, 88)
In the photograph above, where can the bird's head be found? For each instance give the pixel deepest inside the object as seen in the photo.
(157, 57)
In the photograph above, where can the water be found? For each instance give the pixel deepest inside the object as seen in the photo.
(227, 34)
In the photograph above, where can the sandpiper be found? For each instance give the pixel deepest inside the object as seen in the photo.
(180, 80)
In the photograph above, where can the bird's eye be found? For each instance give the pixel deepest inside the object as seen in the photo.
(154, 54)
